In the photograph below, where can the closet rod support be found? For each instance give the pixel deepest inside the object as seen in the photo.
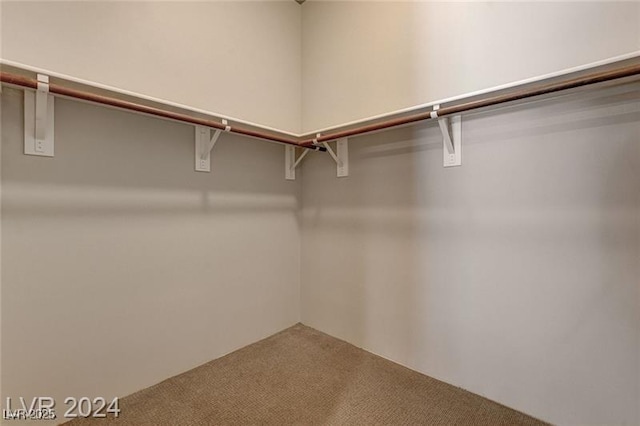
(38, 119)
(204, 143)
(340, 156)
(291, 162)
(451, 129)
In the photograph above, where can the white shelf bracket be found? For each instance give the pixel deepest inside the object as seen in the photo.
(340, 156)
(451, 128)
(205, 141)
(38, 119)
(291, 162)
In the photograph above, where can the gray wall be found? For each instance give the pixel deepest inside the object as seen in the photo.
(515, 276)
(122, 266)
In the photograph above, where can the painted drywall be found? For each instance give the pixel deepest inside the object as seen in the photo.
(122, 266)
(366, 58)
(240, 59)
(393, 284)
(306, 67)
(514, 276)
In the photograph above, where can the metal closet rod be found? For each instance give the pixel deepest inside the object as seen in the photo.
(585, 80)
(310, 141)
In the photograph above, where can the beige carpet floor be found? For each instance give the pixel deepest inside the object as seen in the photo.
(304, 377)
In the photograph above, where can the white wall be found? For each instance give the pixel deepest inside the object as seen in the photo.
(347, 60)
(514, 276)
(122, 266)
(363, 58)
(240, 59)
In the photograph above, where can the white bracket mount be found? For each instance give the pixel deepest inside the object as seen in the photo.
(340, 155)
(451, 128)
(38, 119)
(205, 141)
(291, 162)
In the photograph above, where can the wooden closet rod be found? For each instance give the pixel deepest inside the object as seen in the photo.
(18, 80)
(585, 80)
(310, 141)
